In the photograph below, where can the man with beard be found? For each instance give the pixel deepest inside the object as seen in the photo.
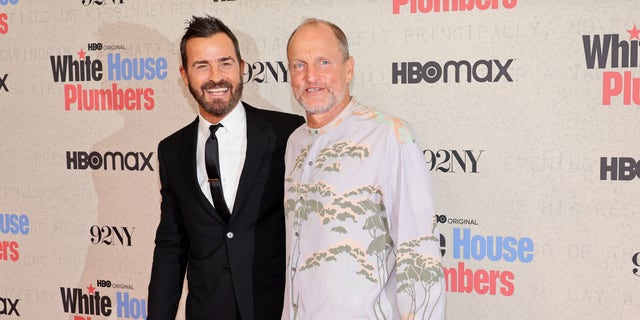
(221, 181)
(362, 241)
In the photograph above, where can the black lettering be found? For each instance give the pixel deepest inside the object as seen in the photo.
(113, 156)
(474, 160)
(502, 70)
(487, 77)
(457, 66)
(463, 158)
(146, 161)
(596, 51)
(121, 236)
(608, 168)
(399, 72)
(446, 156)
(431, 72)
(9, 306)
(627, 168)
(636, 263)
(3, 82)
(134, 156)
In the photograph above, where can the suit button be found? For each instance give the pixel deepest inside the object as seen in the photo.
(230, 235)
(227, 269)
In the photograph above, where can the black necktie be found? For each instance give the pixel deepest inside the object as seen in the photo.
(213, 171)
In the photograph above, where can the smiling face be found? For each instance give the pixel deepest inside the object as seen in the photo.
(320, 74)
(213, 74)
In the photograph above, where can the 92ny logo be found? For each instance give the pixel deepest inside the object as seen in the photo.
(111, 235)
(452, 161)
(266, 72)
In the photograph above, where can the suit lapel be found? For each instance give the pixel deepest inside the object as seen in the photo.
(189, 167)
(259, 139)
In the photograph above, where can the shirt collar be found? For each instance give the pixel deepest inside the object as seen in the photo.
(335, 122)
(232, 123)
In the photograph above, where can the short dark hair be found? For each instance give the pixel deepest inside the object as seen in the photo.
(204, 27)
(343, 44)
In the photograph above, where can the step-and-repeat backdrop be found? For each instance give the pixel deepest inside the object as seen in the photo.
(528, 113)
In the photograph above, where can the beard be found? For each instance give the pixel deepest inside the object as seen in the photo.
(217, 107)
(333, 99)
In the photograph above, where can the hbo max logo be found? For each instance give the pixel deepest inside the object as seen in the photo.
(431, 72)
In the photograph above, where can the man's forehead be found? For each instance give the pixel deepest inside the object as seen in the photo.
(210, 46)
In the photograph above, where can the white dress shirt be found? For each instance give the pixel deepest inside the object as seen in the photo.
(232, 146)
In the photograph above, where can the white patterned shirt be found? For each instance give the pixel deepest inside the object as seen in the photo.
(362, 241)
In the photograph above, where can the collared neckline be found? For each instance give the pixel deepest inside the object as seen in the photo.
(335, 122)
(232, 123)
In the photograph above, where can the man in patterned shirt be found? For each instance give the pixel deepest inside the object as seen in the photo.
(361, 239)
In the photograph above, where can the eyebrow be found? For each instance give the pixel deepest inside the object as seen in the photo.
(222, 59)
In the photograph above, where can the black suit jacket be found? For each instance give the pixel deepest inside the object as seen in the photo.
(240, 262)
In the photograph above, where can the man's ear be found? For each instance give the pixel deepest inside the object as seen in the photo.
(350, 66)
(184, 75)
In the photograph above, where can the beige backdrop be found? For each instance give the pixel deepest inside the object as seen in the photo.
(534, 224)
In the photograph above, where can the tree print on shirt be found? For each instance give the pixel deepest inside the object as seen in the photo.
(345, 211)
(356, 210)
(361, 208)
(417, 274)
(298, 210)
(327, 159)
